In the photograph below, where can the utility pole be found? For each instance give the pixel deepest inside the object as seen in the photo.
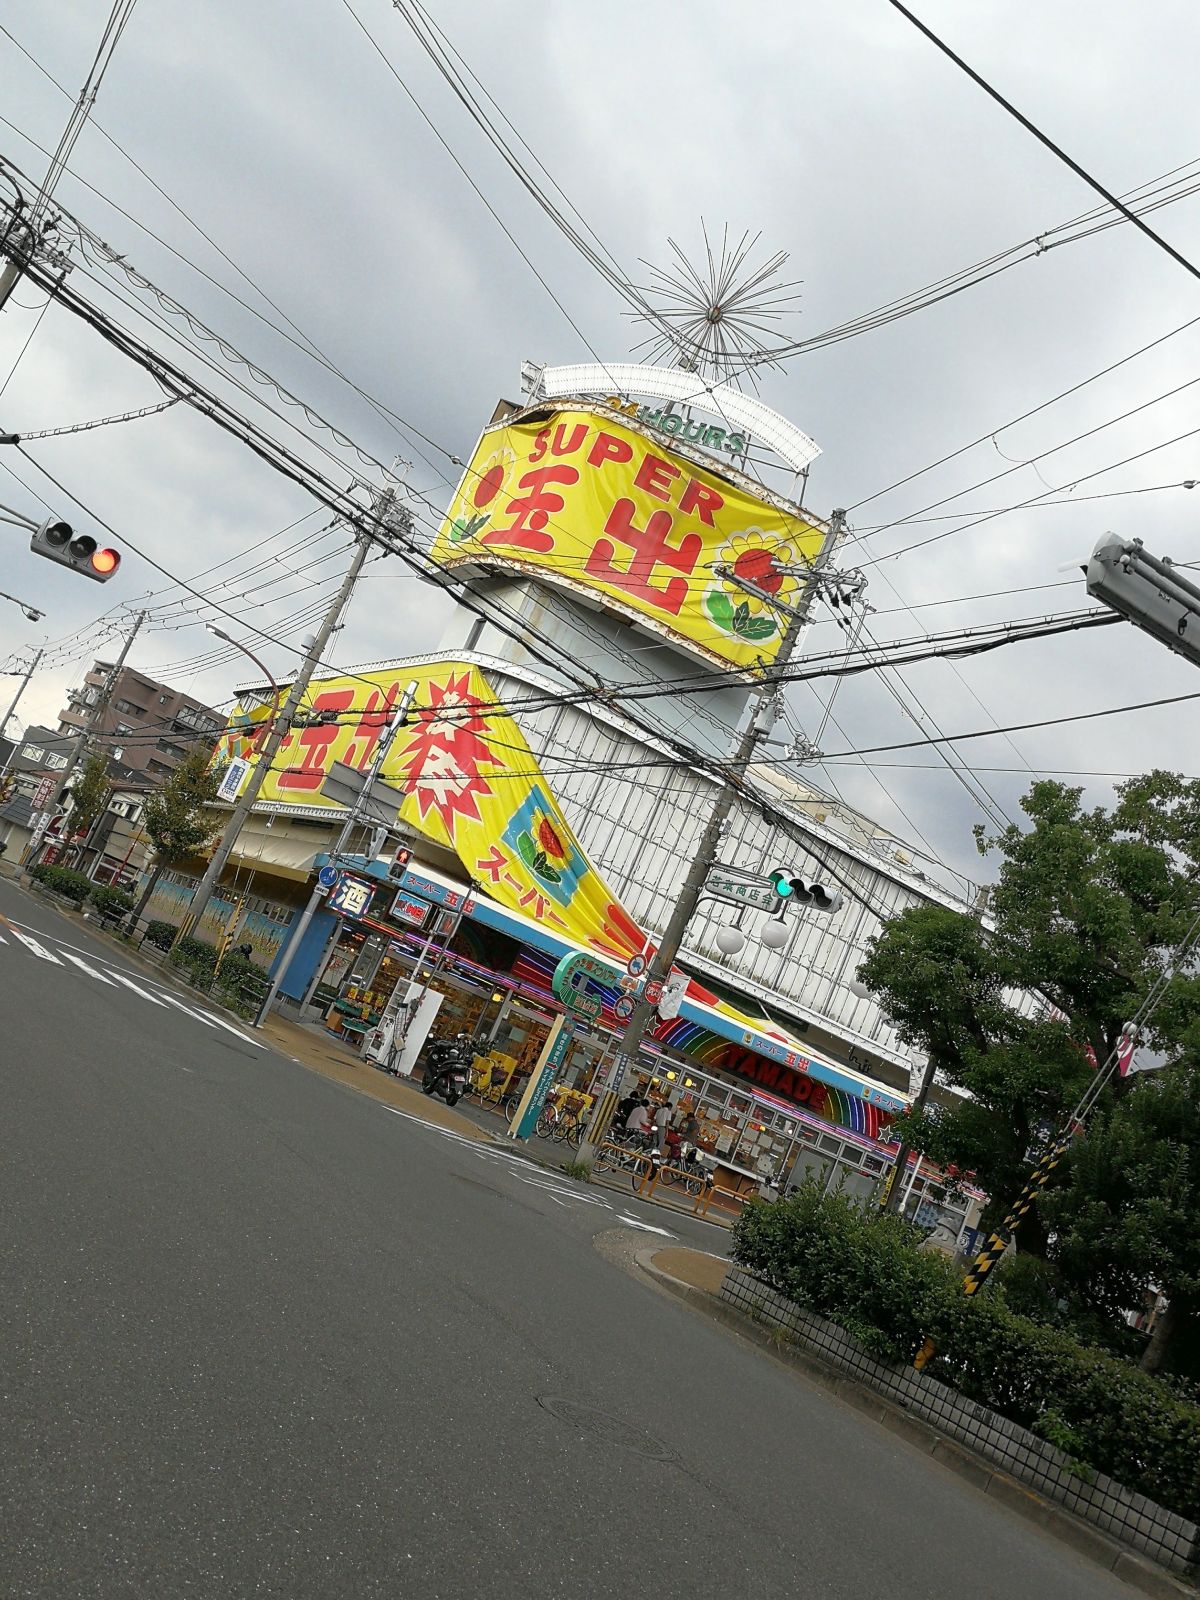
(398, 718)
(85, 735)
(281, 728)
(705, 855)
(15, 701)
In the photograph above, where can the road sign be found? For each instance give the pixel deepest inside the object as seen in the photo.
(344, 786)
(327, 876)
(652, 993)
(738, 891)
(635, 966)
(623, 1008)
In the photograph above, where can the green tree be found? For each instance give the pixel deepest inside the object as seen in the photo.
(89, 797)
(1086, 911)
(179, 817)
(1128, 1215)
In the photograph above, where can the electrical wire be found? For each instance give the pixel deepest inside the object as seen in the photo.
(1045, 139)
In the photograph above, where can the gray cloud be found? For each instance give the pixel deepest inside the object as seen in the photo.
(836, 130)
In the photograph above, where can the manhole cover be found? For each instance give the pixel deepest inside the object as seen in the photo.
(602, 1423)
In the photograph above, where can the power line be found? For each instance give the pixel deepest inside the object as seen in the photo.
(1043, 138)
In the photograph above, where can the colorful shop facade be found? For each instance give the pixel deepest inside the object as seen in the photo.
(761, 1099)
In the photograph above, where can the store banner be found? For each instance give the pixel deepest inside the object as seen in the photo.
(471, 784)
(594, 505)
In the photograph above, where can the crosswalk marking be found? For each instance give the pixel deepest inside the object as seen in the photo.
(78, 961)
(31, 943)
(99, 969)
(136, 987)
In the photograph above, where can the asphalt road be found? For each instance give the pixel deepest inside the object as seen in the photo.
(260, 1335)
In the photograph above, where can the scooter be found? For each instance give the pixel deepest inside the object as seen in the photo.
(447, 1068)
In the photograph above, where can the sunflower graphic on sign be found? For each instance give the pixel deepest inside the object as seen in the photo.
(763, 561)
(536, 833)
(481, 492)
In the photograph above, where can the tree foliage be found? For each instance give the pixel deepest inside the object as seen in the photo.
(89, 796)
(179, 818)
(1088, 909)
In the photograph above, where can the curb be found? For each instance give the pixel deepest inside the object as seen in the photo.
(1134, 1569)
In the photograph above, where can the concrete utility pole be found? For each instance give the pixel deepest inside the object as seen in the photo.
(13, 703)
(398, 718)
(282, 727)
(84, 739)
(758, 728)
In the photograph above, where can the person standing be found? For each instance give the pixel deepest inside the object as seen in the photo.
(662, 1121)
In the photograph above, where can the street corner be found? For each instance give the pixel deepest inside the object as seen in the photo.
(331, 1060)
(697, 1269)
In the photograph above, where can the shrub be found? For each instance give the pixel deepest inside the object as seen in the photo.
(160, 934)
(110, 902)
(70, 884)
(861, 1268)
(195, 957)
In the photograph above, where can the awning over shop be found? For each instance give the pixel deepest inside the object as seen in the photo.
(769, 1058)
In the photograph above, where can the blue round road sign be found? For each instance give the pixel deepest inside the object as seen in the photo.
(327, 877)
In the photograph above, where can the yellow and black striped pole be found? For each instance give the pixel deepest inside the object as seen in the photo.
(999, 1241)
(230, 934)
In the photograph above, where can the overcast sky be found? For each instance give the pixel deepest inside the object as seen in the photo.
(836, 130)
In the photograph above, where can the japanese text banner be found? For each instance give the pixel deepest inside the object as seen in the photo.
(591, 504)
(470, 783)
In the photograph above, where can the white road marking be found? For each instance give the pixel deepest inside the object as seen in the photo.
(646, 1227)
(112, 975)
(136, 987)
(32, 944)
(78, 961)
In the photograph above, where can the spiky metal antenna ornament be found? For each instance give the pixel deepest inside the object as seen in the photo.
(716, 319)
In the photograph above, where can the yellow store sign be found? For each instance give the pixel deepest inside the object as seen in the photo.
(591, 504)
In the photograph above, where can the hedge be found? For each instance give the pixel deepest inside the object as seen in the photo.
(862, 1269)
(109, 901)
(160, 934)
(65, 881)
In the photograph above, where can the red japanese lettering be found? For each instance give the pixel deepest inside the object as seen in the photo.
(698, 497)
(531, 511)
(315, 743)
(493, 864)
(654, 476)
(367, 733)
(648, 546)
(609, 448)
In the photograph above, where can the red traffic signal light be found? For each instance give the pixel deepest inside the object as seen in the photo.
(105, 562)
(399, 863)
(57, 541)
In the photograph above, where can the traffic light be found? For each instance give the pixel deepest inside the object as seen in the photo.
(58, 541)
(1154, 595)
(788, 885)
(399, 863)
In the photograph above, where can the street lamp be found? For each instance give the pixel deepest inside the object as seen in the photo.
(238, 645)
(31, 612)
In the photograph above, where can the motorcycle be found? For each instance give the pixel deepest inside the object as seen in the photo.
(446, 1070)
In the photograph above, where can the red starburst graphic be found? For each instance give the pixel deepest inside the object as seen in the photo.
(442, 758)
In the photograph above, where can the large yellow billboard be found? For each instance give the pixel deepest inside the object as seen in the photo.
(470, 783)
(587, 502)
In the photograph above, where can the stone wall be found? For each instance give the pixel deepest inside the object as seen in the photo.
(1167, 1538)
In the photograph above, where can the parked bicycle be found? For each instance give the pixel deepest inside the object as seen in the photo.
(560, 1122)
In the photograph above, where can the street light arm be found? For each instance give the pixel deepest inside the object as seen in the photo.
(246, 651)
